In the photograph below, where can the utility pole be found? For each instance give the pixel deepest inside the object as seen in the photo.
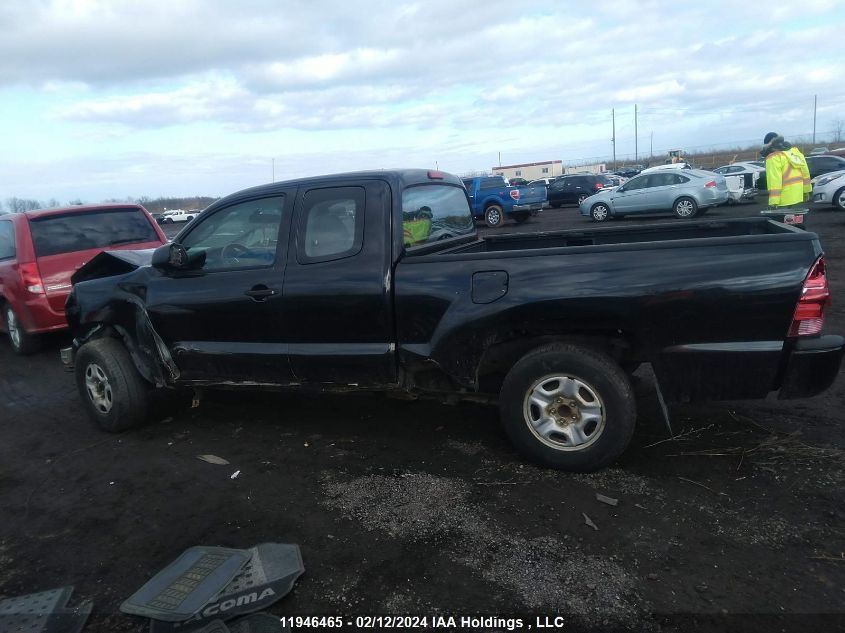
(613, 138)
(500, 159)
(274, 168)
(635, 134)
(815, 102)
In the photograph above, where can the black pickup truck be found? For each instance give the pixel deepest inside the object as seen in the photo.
(377, 281)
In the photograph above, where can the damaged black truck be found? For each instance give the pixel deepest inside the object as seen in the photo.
(377, 281)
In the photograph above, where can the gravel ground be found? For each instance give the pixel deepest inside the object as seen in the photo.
(417, 507)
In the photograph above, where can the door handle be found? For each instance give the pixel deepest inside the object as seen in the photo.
(260, 292)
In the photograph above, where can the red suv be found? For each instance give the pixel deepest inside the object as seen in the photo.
(40, 250)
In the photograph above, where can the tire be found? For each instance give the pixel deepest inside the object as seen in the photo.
(685, 208)
(494, 216)
(839, 200)
(599, 212)
(190, 217)
(581, 199)
(23, 343)
(113, 392)
(519, 218)
(602, 394)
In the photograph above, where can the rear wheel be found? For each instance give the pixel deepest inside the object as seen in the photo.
(114, 394)
(839, 199)
(581, 199)
(494, 216)
(599, 212)
(685, 208)
(22, 342)
(568, 407)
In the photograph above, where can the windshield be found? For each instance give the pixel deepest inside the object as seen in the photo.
(434, 212)
(80, 231)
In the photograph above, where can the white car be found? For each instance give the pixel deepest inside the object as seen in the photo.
(666, 166)
(750, 171)
(177, 215)
(830, 189)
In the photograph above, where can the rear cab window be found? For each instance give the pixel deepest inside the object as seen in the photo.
(431, 213)
(496, 182)
(86, 230)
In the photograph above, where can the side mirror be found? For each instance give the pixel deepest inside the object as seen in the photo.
(171, 256)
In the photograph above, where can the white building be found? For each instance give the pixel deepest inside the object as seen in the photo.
(598, 168)
(530, 171)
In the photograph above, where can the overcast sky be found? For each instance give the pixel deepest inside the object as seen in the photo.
(114, 98)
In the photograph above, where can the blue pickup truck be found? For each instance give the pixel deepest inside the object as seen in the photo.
(493, 200)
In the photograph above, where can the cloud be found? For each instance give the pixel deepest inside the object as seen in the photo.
(537, 79)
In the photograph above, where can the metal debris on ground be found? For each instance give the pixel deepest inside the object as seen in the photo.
(187, 584)
(43, 612)
(270, 574)
(589, 522)
(608, 500)
(213, 459)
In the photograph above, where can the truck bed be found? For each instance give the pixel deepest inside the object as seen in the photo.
(650, 236)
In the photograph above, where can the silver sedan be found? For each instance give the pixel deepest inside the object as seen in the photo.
(830, 189)
(684, 192)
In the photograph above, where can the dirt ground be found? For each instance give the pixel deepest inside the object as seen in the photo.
(421, 508)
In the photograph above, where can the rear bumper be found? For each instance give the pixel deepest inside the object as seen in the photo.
(749, 369)
(534, 206)
(812, 366)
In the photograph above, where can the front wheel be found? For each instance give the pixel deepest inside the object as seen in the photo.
(494, 216)
(115, 395)
(568, 407)
(839, 200)
(685, 208)
(599, 212)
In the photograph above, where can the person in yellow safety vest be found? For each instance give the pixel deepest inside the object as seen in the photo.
(416, 226)
(787, 174)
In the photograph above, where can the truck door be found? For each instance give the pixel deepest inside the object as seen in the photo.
(223, 317)
(338, 288)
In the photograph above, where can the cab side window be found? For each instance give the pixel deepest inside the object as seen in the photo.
(7, 240)
(331, 225)
(245, 235)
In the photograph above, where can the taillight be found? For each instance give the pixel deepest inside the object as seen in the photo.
(32, 278)
(815, 297)
(711, 184)
(436, 175)
(599, 185)
(515, 194)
